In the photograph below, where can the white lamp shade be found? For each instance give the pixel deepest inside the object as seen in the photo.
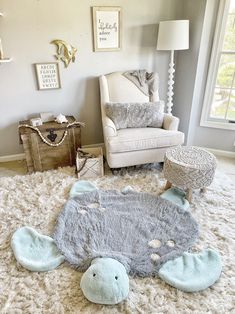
(173, 35)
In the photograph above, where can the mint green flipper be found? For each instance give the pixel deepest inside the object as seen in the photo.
(192, 272)
(81, 186)
(34, 251)
(176, 196)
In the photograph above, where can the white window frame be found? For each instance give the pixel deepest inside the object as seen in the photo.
(206, 121)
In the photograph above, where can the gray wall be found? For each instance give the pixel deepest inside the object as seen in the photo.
(27, 29)
(187, 61)
(204, 136)
(191, 75)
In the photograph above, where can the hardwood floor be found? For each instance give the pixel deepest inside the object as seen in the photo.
(11, 168)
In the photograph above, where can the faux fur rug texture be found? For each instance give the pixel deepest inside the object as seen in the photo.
(123, 226)
(37, 199)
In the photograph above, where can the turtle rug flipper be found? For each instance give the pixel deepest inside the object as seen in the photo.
(35, 251)
(80, 187)
(192, 272)
(176, 196)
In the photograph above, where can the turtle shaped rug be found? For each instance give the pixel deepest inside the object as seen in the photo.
(110, 234)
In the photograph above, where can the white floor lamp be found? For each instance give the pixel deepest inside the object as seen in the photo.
(172, 35)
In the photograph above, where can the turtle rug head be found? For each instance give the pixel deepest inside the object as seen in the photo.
(105, 281)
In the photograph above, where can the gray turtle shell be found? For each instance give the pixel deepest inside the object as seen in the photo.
(123, 227)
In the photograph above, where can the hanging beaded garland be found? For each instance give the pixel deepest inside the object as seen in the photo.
(45, 140)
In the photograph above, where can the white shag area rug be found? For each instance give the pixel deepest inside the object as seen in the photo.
(35, 200)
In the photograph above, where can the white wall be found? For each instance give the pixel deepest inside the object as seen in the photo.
(26, 30)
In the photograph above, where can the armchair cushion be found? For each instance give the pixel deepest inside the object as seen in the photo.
(142, 139)
(135, 115)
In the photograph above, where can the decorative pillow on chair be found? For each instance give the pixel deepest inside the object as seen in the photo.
(136, 115)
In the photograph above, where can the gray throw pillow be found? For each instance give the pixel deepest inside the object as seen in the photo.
(136, 115)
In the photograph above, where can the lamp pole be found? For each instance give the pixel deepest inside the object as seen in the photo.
(171, 82)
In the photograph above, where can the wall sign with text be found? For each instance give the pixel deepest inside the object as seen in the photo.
(48, 76)
(106, 28)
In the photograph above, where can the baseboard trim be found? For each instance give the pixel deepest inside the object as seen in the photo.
(12, 157)
(222, 153)
(218, 152)
(15, 157)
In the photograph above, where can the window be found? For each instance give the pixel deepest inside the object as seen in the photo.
(219, 101)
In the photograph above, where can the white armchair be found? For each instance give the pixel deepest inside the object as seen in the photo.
(134, 146)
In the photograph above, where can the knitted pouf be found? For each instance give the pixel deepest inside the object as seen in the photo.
(189, 167)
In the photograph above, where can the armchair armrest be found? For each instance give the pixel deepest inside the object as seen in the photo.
(108, 127)
(170, 122)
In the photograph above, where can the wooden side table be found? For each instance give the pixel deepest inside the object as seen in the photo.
(189, 167)
(50, 154)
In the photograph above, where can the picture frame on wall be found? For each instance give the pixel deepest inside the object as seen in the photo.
(106, 28)
(48, 75)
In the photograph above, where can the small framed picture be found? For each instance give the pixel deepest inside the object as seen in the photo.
(106, 28)
(48, 76)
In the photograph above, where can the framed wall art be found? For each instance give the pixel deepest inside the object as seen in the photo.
(48, 76)
(106, 28)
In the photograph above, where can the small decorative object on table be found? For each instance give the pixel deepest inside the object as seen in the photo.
(90, 162)
(36, 121)
(61, 118)
(189, 167)
(50, 145)
(47, 116)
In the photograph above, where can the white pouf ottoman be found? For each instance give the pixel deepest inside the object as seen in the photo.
(189, 167)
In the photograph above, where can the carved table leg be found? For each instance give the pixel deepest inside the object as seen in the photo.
(168, 185)
(189, 195)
